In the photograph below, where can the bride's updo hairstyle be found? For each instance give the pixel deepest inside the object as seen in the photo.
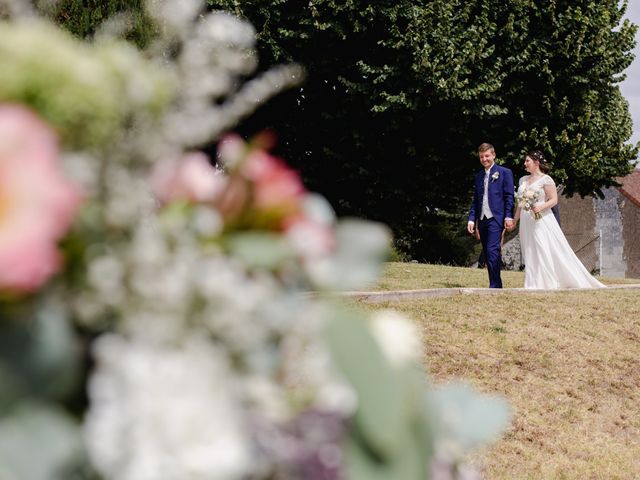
(538, 156)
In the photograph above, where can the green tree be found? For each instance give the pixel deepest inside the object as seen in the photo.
(561, 88)
(84, 17)
(400, 94)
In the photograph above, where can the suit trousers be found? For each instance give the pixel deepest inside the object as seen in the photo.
(490, 237)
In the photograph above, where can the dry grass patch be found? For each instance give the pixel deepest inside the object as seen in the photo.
(412, 276)
(568, 364)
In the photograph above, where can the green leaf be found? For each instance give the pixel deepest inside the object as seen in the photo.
(39, 354)
(410, 463)
(54, 351)
(465, 418)
(259, 249)
(361, 249)
(38, 442)
(380, 415)
(10, 386)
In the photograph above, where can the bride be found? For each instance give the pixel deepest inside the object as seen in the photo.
(549, 260)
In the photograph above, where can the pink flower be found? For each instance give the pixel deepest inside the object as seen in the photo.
(263, 192)
(37, 204)
(192, 178)
(233, 200)
(277, 190)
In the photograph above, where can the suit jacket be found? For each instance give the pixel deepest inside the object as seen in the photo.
(500, 194)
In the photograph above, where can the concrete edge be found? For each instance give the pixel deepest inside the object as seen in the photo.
(399, 295)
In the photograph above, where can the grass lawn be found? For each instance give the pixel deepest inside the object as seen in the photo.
(412, 276)
(568, 362)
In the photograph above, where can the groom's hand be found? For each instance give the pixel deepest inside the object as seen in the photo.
(471, 228)
(509, 224)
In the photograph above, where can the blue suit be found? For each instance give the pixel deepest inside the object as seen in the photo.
(500, 197)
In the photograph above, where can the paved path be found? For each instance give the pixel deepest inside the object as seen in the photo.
(390, 296)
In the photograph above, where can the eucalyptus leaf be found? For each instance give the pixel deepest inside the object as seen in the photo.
(380, 415)
(420, 417)
(318, 209)
(362, 465)
(54, 351)
(410, 463)
(361, 249)
(38, 442)
(40, 353)
(466, 419)
(259, 249)
(11, 387)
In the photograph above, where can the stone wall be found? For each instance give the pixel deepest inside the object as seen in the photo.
(604, 234)
(631, 237)
(578, 222)
(512, 252)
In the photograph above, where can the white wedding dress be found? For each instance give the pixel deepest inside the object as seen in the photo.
(549, 261)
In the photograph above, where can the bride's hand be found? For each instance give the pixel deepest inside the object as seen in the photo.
(536, 208)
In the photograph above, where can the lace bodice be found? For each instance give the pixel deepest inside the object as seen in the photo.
(537, 185)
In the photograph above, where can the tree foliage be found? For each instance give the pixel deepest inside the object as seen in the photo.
(84, 17)
(400, 94)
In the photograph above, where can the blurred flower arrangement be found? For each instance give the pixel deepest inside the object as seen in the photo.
(155, 315)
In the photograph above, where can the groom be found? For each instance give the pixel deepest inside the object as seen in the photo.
(491, 209)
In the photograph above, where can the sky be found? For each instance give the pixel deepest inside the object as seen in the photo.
(631, 86)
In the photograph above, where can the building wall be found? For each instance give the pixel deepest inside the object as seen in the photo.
(578, 222)
(631, 221)
(604, 234)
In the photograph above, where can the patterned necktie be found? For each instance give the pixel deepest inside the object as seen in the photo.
(486, 211)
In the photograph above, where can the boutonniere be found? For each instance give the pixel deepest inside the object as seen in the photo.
(495, 176)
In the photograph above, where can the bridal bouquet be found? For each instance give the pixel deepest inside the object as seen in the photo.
(527, 199)
(162, 318)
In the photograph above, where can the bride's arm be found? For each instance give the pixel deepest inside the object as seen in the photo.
(552, 199)
(517, 208)
(516, 219)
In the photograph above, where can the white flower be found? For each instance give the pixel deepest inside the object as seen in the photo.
(495, 176)
(398, 336)
(177, 14)
(106, 274)
(129, 197)
(224, 29)
(164, 412)
(207, 221)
